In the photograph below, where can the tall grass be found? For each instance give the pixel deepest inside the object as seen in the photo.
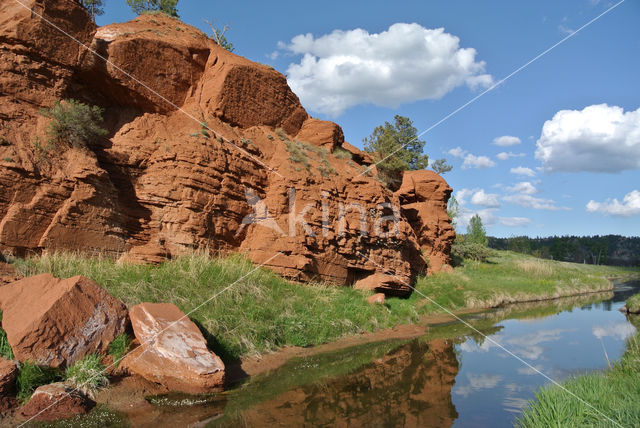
(611, 395)
(87, 375)
(31, 376)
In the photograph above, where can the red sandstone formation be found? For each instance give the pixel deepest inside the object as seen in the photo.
(423, 196)
(56, 322)
(194, 133)
(172, 350)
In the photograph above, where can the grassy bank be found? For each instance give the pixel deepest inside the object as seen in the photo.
(255, 311)
(614, 393)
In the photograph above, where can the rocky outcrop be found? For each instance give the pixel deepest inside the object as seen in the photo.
(172, 350)
(205, 149)
(423, 196)
(56, 401)
(56, 322)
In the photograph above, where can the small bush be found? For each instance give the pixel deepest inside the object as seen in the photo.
(119, 347)
(87, 375)
(74, 122)
(281, 134)
(32, 376)
(5, 348)
(469, 251)
(8, 159)
(297, 154)
(341, 153)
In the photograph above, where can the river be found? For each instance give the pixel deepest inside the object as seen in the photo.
(452, 376)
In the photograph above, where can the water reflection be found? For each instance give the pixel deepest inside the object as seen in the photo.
(410, 386)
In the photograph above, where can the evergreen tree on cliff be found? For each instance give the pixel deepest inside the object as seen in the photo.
(170, 7)
(94, 7)
(396, 148)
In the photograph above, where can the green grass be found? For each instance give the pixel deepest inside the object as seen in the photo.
(633, 304)
(255, 311)
(87, 375)
(5, 348)
(509, 277)
(32, 376)
(119, 347)
(613, 393)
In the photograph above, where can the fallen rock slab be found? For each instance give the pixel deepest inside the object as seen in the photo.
(380, 282)
(172, 350)
(56, 322)
(376, 299)
(56, 401)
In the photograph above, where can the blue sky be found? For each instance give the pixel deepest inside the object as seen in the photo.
(576, 169)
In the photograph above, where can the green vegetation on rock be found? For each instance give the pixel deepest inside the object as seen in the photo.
(74, 123)
(395, 148)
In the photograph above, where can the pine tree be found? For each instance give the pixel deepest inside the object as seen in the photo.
(396, 148)
(170, 7)
(94, 7)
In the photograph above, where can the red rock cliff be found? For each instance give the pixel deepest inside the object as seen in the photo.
(205, 149)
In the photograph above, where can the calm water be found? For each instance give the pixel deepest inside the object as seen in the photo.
(452, 376)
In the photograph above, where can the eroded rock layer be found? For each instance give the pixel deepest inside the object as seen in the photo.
(205, 149)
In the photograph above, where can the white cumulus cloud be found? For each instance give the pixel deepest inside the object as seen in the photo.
(506, 155)
(487, 216)
(403, 64)
(524, 188)
(629, 206)
(533, 202)
(521, 170)
(489, 200)
(506, 141)
(599, 138)
(471, 160)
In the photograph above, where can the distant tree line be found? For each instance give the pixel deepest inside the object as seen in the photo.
(613, 250)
